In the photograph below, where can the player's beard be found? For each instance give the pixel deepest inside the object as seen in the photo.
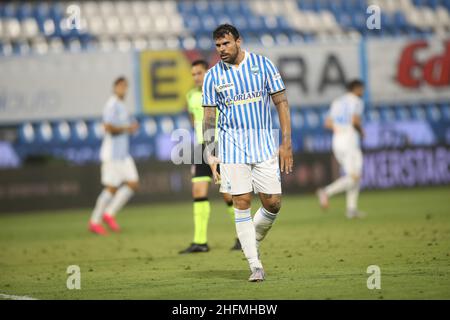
(232, 58)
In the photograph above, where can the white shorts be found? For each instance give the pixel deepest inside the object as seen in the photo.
(240, 178)
(351, 160)
(116, 172)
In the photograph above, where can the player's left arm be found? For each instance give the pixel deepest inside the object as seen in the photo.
(209, 103)
(285, 151)
(356, 121)
(328, 123)
(209, 129)
(356, 118)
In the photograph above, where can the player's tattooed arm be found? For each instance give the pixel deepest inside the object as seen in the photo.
(209, 129)
(285, 152)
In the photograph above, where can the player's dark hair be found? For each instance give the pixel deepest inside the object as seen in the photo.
(201, 62)
(225, 29)
(119, 80)
(356, 83)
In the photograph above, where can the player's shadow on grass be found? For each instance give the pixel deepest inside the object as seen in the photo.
(224, 274)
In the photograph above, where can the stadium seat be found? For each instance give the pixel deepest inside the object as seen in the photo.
(11, 28)
(312, 119)
(44, 133)
(56, 45)
(21, 47)
(182, 122)
(96, 130)
(27, 133)
(123, 43)
(445, 110)
(387, 114)
(402, 113)
(150, 126)
(188, 43)
(297, 120)
(165, 125)
(62, 132)
(156, 43)
(80, 131)
(30, 28)
(433, 113)
(418, 112)
(6, 48)
(372, 115)
(24, 11)
(39, 45)
(140, 43)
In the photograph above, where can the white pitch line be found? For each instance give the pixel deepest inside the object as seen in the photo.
(12, 297)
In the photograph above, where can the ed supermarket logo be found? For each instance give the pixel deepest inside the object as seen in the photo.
(413, 72)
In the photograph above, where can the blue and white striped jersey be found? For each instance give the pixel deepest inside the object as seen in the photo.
(242, 95)
(115, 147)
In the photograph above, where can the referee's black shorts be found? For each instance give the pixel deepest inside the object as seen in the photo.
(201, 171)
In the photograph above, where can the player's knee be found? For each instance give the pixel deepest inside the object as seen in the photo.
(228, 199)
(111, 190)
(242, 202)
(274, 206)
(133, 185)
(199, 190)
(355, 178)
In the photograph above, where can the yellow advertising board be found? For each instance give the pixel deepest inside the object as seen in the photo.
(165, 78)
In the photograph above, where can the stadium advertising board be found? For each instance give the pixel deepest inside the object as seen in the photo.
(57, 185)
(66, 186)
(402, 70)
(315, 74)
(165, 78)
(410, 167)
(60, 86)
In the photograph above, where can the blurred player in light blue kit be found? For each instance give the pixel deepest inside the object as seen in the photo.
(118, 171)
(344, 120)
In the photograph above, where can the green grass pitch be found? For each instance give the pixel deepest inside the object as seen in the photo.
(308, 254)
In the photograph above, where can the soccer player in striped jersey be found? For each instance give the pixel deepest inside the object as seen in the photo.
(240, 87)
(344, 120)
(201, 175)
(118, 171)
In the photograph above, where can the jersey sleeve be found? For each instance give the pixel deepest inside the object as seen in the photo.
(111, 115)
(209, 91)
(332, 111)
(274, 83)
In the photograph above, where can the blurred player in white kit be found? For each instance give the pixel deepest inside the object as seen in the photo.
(118, 171)
(344, 120)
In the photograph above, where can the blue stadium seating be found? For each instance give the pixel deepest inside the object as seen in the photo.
(61, 138)
(200, 17)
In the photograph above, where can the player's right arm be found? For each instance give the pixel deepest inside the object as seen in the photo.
(209, 103)
(328, 124)
(329, 120)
